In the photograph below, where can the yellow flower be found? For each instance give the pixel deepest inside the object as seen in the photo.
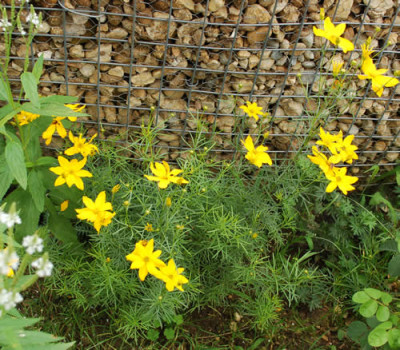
(64, 205)
(81, 146)
(180, 227)
(24, 118)
(56, 125)
(341, 180)
(336, 68)
(172, 276)
(366, 49)
(76, 108)
(379, 81)
(164, 176)
(346, 151)
(115, 189)
(96, 212)
(149, 227)
(256, 156)
(322, 161)
(252, 110)
(168, 202)
(145, 260)
(328, 140)
(108, 259)
(70, 172)
(333, 34)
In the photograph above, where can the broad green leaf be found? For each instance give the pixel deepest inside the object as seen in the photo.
(389, 246)
(383, 313)
(178, 320)
(394, 338)
(153, 334)
(16, 162)
(169, 333)
(9, 323)
(10, 241)
(357, 330)
(46, 161)
(29, 84)
(60, 226)
(386, 298)
(36, 188)
(3, 89)
(5, 176)
(55, 109)
(369, 308)
(27, 211)
(38, 69)
(58, 99)
(361, 297)
(378, 337)
(394, 266)
(373, 293)
(4, 118)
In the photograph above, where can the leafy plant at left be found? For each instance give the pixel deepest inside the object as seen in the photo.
(25, 117)
(15, 278)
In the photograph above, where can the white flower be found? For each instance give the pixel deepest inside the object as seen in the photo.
(8, 260)
(33, 244)
(9, 299)
(43, 267)
(23, 32)
(4, 24)
(34, 18)
(9, 219)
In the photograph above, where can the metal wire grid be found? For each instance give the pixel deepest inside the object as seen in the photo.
(202, 82)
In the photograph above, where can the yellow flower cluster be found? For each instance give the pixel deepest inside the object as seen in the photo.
(98, 212)
(255, 155)
(334, 35)
(24, 118)
(70, 172)
(341, 151)
(147, 261)
(164, 175)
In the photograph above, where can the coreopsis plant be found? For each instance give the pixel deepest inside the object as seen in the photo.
(253, 110)
(147, 261)
(164, 175)
(98, 212)
(378, 80)
(334, 35)
(341, 151)
(256, 155)
(26, 120)
(70, 172)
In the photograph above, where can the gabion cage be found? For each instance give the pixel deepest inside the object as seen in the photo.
(198, 59)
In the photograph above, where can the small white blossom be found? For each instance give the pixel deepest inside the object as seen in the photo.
(4, 24)
(43, 267)
(34, 18)
(8, 260)
(33, 244)
(9, 299)
(23, 32)
(9, 219)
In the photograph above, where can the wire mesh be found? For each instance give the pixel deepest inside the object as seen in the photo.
(195, 60)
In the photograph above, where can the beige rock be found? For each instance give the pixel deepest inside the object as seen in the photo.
(87, 70)
(117, 33)
(188, 4)
(142, 79)
(116, 72)
(215, 5)
(105, 53)
(257, 36)
(159, 28)
(255, 14)
(76, 51)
